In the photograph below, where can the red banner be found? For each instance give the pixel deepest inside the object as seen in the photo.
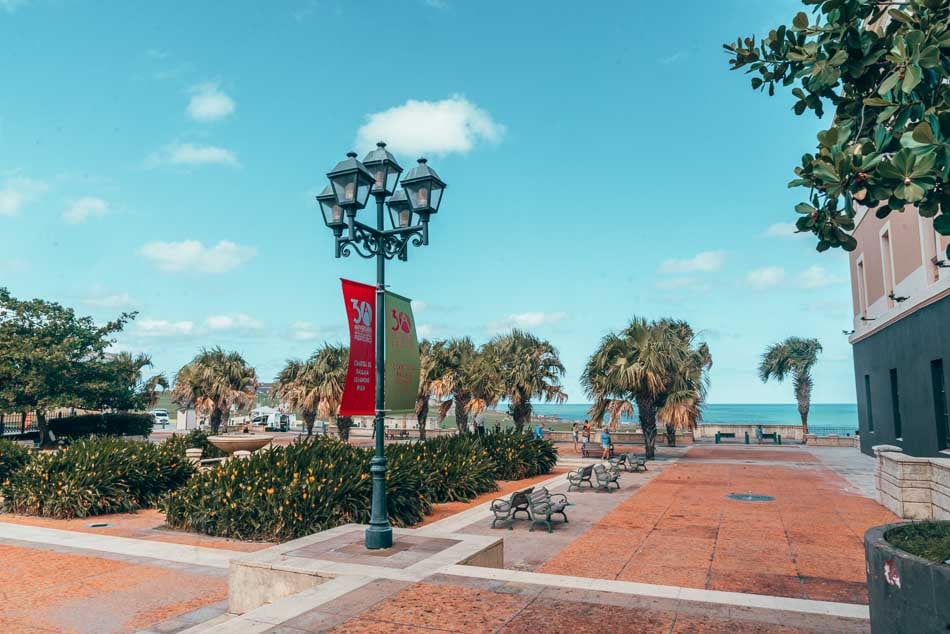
(359, 393)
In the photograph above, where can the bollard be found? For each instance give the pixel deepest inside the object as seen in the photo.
(779, 438)
(194, 455)
(747, 438)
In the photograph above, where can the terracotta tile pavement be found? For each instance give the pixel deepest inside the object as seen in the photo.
(680, 529)
(47, 591)
(444, 607)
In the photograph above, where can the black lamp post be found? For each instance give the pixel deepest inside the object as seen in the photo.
(351, 183)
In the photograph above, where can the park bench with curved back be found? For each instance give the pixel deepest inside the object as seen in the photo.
(543, 504)
(605, 478)
(506, 510)
(579, 477)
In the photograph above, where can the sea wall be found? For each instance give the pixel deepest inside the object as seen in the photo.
(911, 487)
(683, 437)
(789, 433)
(833, 440)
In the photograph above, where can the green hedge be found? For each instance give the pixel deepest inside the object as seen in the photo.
(73, 427)
(195, 439)
(288, 492)
(95, 476)
(12, 459)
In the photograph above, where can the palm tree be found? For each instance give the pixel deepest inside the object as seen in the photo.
(652, 364)
(527, 367)
(213, 382)
(133, 390)
(684, 402)
(329, 374)
(297, 386)
(427, 375)
(453, 366)
(795, 356)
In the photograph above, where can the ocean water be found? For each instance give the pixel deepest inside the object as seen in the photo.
(821, 415)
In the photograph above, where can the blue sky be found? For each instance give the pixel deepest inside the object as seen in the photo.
(602, 162)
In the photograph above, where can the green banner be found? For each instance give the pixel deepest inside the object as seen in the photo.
(402, 356)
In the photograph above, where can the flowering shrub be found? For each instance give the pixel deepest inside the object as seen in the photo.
(195, 439)
(12, 458)
(287, 492)
(517, 455)
(95, 477)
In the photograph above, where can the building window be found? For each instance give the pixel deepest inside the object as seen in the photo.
(887, 263)
(867, 401)
(940, 404)
(862, 282)
(896, 404)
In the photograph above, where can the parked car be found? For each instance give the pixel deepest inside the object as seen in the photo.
(275, 422)
(160, 416)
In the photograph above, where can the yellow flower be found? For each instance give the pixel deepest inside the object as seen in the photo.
(270, 491)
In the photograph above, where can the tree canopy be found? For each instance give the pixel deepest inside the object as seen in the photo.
(882, 69)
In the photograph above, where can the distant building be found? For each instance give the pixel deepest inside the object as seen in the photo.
(900, 282)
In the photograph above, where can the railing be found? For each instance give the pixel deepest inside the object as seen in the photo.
(833, 431)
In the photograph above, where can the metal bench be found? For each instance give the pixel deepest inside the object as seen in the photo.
(724, 434)
(775, 437)
(579, 477)
(592, 450)
(629, 462)
(543, 504)
(605, 478)
(505, 510)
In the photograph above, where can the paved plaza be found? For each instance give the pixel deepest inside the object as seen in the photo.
(667, 552)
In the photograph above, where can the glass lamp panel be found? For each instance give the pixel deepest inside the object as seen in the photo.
(418, 194)
(379, 175)
(344, 186)
(392, 177)
(362, 191)
(435, 196)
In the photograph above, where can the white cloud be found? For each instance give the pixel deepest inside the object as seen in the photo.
(766, 277)
(784, 230)
(237, 321)
(424, 331)
(209, 103)
(17, 192)
(192, 255)
(192, 154)
(705, 262)
(531, 319)
(430, 127)
(818, 277)
(675, 57)
(10, 6)
(110, 300)
(418, 306)
(164, 328)
(85, 208)
(307, 331)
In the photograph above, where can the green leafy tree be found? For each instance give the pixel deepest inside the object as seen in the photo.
(527, 368)
(297, 386)
(124, 384)
(883, 69)
(657, 365)
(428, 369)
(213, 382)
(315, 387)
(796, 357)
(50, 358)
(454, 367)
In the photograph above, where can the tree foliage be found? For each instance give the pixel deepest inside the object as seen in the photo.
(214, 381)
(883, 70)
(658, 365)
(795, 356)
(50, 358)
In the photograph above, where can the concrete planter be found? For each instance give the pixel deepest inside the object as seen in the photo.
(905, 593)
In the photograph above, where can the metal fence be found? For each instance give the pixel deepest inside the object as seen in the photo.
(833, 431)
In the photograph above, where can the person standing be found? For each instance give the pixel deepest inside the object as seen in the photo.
(586, 431)
(574, 434)
(605, 443)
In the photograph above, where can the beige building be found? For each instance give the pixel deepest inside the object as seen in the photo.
(900, 282)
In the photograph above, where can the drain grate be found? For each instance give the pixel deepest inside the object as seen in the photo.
(97, 525)
(750, 497)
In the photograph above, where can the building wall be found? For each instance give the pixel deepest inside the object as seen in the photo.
(907, 345)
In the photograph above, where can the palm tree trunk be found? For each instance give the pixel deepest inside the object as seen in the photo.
(309, 416)
(670, 435)
(803, 385)
(343, 424)
(461, 415)
(422, 417)
(216, 416)
(521, 414)
(647, 409)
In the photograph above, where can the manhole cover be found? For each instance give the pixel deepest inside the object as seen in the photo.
(98, 525)
(750, 497)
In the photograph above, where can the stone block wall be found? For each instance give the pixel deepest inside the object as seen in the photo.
(911, 487)
(832, 441)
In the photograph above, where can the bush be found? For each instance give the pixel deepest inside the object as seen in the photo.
(12, 458)
(73, 427)
(95, 477)
(288, 492)
(195, 439)
(517, 455)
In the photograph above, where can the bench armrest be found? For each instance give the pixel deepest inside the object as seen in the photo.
(500, 504)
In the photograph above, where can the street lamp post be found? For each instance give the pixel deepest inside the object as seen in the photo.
(410, 208)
